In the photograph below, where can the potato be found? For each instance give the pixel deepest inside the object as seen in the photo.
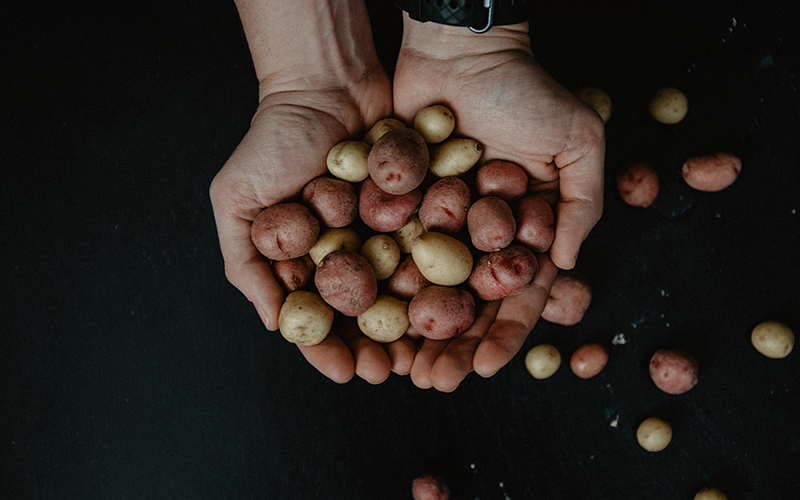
(570, 297)
(382, 253)
(535, 223)
(284, 231)
(406, 280)
(332, 239)
(347, 161)
(772, 339)
(674, 371)
(381, 127)
(385, 212)
(429, 487)
(588, 360)
(654, 434)
(501, 178)
(346, 281)
(333, 201)
(503, 273)
(542, 361)
(406, 235)
(669, 105)
(386, 320)
(442, 259)
(444, 205)
(305, 318)
(435, 123)
(294, 274)
(398, 162)
(637, 183)
(454, 157)
(441, 312)
(712, 172)
(491, 224)
(709, 493)
(597, 99)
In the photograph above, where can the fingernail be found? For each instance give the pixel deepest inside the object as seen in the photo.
(263, 315)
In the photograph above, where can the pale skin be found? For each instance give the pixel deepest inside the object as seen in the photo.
(321, 82)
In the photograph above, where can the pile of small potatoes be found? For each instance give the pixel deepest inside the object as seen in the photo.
(404, 234)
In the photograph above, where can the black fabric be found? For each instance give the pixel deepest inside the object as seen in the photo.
(470, 13)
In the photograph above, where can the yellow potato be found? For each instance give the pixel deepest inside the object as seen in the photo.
(442, 259)
(772, 339)
(386, 320)
(305, 318)
(710, 494)
(543, 361)
(669, 105)
(348, 161)
(435, 123)
(405, 236)
(336, 238)
(454, 156)
(382, 253)
(654, 434)
(380, 128)
(596, 99)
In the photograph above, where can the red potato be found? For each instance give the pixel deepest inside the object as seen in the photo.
(503, 273)
(535, 223)
(501, 178)
(385, 212)
(441, 312)
(294, 274)
(444, 205)
(346, 281)
(398, 161)
(430, 487)
(637, 183)
(284, 231)
(673, 371)
(406, 280)
(588, 360)
(333, 201)
(570, 297)
(491, 224)
(712, 172)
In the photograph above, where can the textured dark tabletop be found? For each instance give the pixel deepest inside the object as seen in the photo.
(131, 369)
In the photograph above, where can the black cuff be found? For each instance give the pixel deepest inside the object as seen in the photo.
(470, 13)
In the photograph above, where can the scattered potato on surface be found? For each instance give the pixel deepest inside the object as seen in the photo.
(385, 212)
(346, 281)
(305, 318)
(501, 178)
(407, 280)
(500, 274)
(386, 320)
(673, 371)
(597, 99)
(709, 493)
(637, 183)
(654, 434)
(441, 312)
(712, 172)
(398, 162)
(284, 231)
(382, 253)
(588, 360)
(444, 205)
(535, 223)
(454, 156)
(543, 361)
(491, 224)
(294, 274)
(442, 259)
(669, 105)
(406, 235)
(435, 123)
(772, 339)
(570, 297)
(381, 127)
(347, 161)
(333, 201)
(430, 487)
(332, 239)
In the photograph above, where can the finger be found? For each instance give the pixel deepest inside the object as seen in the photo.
(515, 319)
(371, 360)
(332, 358)
(423, 362)
(401, 353)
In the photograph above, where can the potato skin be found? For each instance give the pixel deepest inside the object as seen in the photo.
(346, 281)
(654, 434)
(673, 371)
(441, 312)
(333, 201)
(637, 183)
(382, 253)
(597, 99)
(504, 179)
(334, 238)
(305, 318)
(406, 281)
(284, 231)
(294, 274)
(491, 224)
(772, 339)
(406, 235)
(454, 156)
(570, 297)
(435, 123)
(444, 205)
(588, 360)
(429, 487)
(535, 223)
(385, 212)
(386, 320)
(712, 172)
(442, 259)
(669, 105)
(347, 160)
(497, 275)
(542, 361)
(380, 128)
(398, 162)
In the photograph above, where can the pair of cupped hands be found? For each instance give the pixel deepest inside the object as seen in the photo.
(314, 96)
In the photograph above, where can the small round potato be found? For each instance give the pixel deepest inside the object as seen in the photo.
(535, 223)
(333, 201)
(570, 297)
(441, 312)
(637, 183)
(305, 318)
(454, 156)
(673, 371)
(435, 123)
(709, 493)
(491, 224)
(442, 259)
(332, 239)
(346, 281)
(347, 160)
(712, 172)
(284, 231)
(669, 105)
(429, 487)
(398, 162)
(503, 273)
(654, 434)
(381, 127)
(444, 205)
(588, 360)
(597, 99)
(386, 320)
(406, 280)
(406, 235)
(382, 253)
(772, 339)
(294, 274)
(385, 212)
(543, 361)
(501, 178)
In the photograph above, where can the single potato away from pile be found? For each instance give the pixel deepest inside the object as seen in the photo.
(654, 434)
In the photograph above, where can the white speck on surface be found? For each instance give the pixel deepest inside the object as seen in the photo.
(472, 466)
(619, 339)
(719, 215)
(614, 421)
(794, 211)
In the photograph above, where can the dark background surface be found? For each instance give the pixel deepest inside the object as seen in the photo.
(131, 369)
